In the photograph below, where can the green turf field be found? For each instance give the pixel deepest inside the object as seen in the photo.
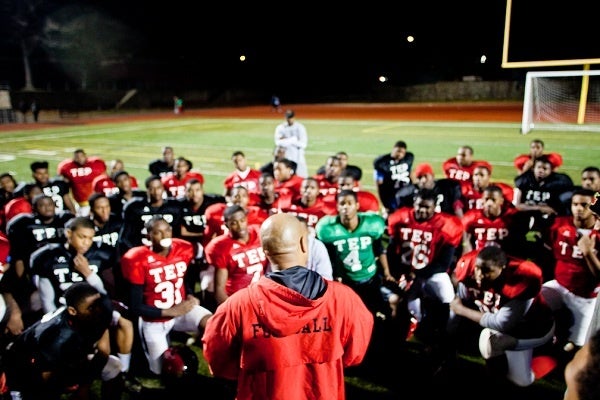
(208, 143)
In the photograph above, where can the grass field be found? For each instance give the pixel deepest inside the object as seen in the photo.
(209, 143)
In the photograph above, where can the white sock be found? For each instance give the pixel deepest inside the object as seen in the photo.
(125, 361)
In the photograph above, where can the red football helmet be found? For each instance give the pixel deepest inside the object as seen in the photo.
(179, 361)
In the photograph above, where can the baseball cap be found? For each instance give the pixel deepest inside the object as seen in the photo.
(289, 114)
(423, 169)
(595, 204)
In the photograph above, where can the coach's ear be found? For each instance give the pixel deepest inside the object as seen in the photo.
(304, 243)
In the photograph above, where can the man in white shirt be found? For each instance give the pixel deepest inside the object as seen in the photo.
(292, 135)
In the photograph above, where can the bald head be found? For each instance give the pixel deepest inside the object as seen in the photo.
(284, 240)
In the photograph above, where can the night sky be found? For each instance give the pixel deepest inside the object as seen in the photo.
(296, 44)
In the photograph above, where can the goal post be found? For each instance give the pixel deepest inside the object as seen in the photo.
(564, 100)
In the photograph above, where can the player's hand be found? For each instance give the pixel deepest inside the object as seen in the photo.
(193, 299)
(15, 325)
(82, 265)
(586, 244)
(185, 306)
(456, 304)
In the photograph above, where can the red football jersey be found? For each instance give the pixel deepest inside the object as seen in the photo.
(248, 179)
(103, 184)
(175, 187)
(483, 229)
(420, 241)
(245, 262)
(81, 176)
(453, 170)
(292, 186)
(555, 159)
(215, 226)
(472, 198)
(312, 214)
(162, 277)
(523, 281)
(571, 270)
(326, 187)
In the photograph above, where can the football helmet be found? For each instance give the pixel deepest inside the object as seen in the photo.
(179, 361)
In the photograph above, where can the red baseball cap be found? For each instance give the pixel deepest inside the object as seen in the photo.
(422, 169)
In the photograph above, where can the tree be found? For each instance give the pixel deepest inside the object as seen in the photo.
(79, 39)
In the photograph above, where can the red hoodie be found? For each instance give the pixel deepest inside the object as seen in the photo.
(279, 344)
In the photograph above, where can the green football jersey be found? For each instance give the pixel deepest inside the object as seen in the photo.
(354, 257)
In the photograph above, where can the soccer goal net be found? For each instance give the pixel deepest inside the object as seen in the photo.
(563, 100)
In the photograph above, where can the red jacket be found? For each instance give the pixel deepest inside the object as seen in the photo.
(279, 344)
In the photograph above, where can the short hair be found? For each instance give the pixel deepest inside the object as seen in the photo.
(117, 174)
(347, 174)
(492, 256)
(583, 192)
(78, 292)
(238, 153)
(150, 179)
(494, 189)
(538, 141)
(401, 144)
(95, 196)
(34, 166)
(192, 182)
(347, 192)
(426, 194)
(8, 175)
(229, 211)
(152, 221)
(27, 188)
(468, 148)
(188, 162)
(38, 198)
(591, 169)
(267, 174)
(288, 163)
(544, 159)
(76, 223)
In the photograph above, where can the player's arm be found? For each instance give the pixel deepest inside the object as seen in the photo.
(466, 242)
(15, 324)
(68, 202)
(587, 245)
(47, 294)
(144, 310)
(379, 251)
(82, 266)
(221, 276)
